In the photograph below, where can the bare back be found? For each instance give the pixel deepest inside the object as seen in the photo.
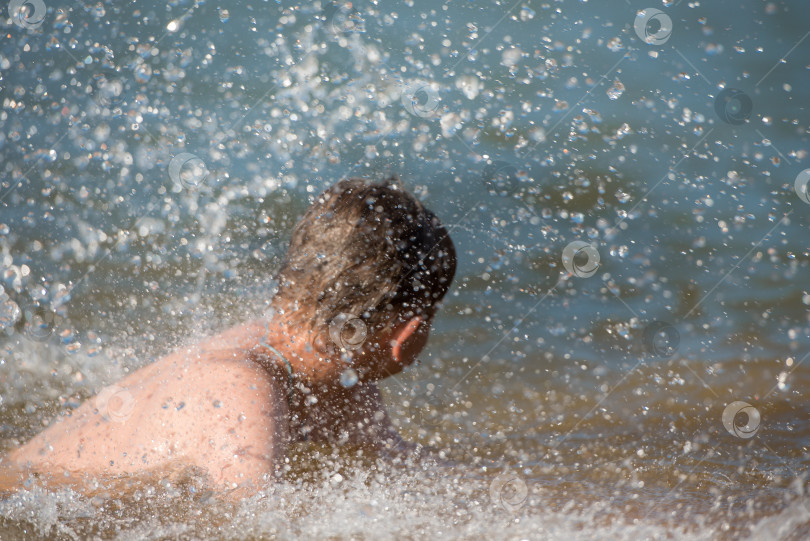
(208, 406)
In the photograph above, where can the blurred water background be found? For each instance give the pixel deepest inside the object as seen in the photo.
(154, 156)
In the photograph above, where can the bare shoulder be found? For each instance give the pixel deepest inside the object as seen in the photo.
(217, 411)
(243, 427)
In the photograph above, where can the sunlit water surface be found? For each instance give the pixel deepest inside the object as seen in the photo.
(155, 155)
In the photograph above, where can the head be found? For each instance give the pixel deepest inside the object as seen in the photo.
(366, 268)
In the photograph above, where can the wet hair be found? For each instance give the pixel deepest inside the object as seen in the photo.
(369, 250)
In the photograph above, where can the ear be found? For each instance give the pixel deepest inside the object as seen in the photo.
(402, 336)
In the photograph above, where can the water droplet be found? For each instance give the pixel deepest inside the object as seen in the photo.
(349, 378)
(526, 13)
(615, 44)
(143, 73)
(61, 297)
(9, 312)
(615, 91)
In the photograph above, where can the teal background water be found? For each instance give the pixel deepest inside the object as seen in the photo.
(525, 127)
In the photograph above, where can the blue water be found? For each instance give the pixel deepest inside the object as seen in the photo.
(525, 126)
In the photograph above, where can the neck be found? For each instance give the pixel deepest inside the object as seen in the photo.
(316, 363)
(310, 379)
(297, 351)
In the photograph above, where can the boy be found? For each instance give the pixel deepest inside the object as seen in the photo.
(358, 289)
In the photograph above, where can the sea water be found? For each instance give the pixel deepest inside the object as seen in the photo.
(624, 353)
